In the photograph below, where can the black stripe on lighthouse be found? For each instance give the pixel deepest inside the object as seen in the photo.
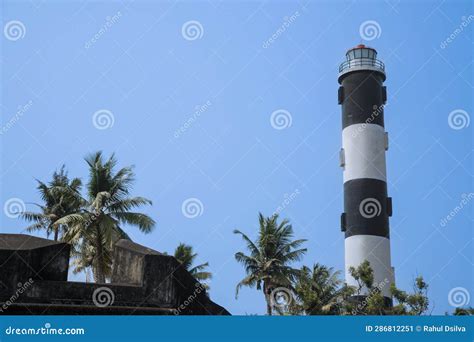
(363, 97)
(367, 208)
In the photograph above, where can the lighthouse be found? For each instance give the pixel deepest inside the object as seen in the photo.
(367, 208)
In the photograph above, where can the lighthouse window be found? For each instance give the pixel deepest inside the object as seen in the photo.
(350, 55)
(365, 53)
(358, 53)
(342, 158)
(371, 54)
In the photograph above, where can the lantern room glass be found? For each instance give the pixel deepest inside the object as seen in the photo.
(361, 57)
(361, 53)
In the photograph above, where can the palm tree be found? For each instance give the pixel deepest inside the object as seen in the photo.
(57, 204)
(186, 256)
(268, 265)
(94, 230)
(319, 290)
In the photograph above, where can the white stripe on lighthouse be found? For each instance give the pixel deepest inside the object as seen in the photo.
(364, 152)
(376, 250)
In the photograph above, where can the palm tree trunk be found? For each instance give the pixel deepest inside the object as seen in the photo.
(56, 233)
(99, 269)
(267, 298)
(269, 306)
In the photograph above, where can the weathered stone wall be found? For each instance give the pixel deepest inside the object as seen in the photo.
(24, 257)
(144, 281)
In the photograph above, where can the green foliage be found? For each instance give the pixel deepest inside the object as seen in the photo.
(94, 229)
(364, 275)
(268, 264)
(186, 256)
(413, 304)
(319, 291)
(56, 204)
(373, 303)
(464, 311)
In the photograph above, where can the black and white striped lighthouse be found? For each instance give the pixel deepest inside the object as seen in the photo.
(367, 208)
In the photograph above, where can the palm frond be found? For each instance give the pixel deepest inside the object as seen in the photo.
(250, 244)
(144, 222)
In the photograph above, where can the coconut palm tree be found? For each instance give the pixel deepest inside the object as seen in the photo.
(186, 256)
(319, 290)
(56, 204)
(268, 264)
(99, 224)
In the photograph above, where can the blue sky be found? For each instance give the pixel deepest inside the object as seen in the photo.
(150, 78)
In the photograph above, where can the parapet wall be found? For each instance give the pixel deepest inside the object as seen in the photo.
(33, 280)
